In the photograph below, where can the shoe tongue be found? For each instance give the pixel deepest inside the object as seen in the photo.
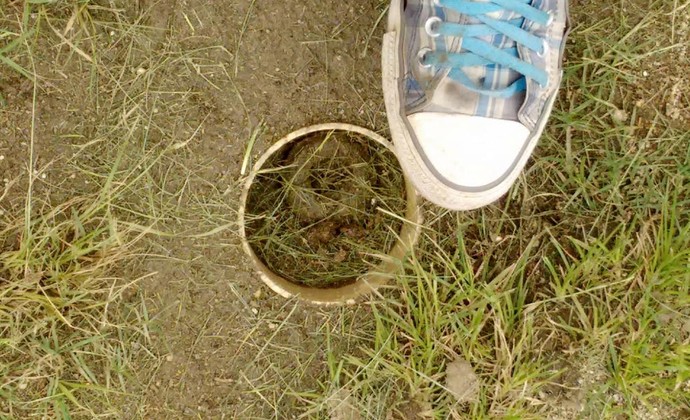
(501, 14)
(499, 41)
(452, 95)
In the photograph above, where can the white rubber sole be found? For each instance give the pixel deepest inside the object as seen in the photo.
(416, 169)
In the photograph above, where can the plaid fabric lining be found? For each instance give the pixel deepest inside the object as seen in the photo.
(435, 90)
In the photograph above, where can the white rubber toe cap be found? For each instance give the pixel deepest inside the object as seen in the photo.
(470, 152)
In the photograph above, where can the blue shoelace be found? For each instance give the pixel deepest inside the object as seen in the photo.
(478, 52)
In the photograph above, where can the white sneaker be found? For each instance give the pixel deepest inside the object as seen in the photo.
(469, 86)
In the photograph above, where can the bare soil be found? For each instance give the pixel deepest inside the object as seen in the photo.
(237, 352)
(221, 346)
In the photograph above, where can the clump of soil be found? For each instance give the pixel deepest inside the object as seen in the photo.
(314, 213)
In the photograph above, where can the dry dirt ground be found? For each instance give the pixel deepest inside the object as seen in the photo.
(221, 346)
(233, 349)
(203, 74)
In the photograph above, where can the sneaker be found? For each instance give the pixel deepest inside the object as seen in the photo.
(469, 86)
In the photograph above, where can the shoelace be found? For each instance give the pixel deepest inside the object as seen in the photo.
(478, 52)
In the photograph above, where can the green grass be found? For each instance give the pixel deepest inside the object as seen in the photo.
(569, 297)
(65, 346)
(73, 324)
(67, 322)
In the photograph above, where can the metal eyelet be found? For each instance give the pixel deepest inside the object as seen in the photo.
(421, 57)
(544, 49)
(431, 26)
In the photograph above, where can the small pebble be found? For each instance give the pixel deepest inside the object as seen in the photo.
(257, 294)
(23, 385)
(169, 358)
(272, 326)
(2, 157)
(686, 328)
(255, 311)
(340, 256)
(43, 176)
(141, 71)
(619, 115)
(645, 73)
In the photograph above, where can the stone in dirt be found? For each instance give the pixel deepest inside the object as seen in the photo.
(341, 406)
(461, 381)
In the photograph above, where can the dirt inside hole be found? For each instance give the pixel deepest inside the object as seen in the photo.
(323, 207)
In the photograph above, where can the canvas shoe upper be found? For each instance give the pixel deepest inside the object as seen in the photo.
(469, 86)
